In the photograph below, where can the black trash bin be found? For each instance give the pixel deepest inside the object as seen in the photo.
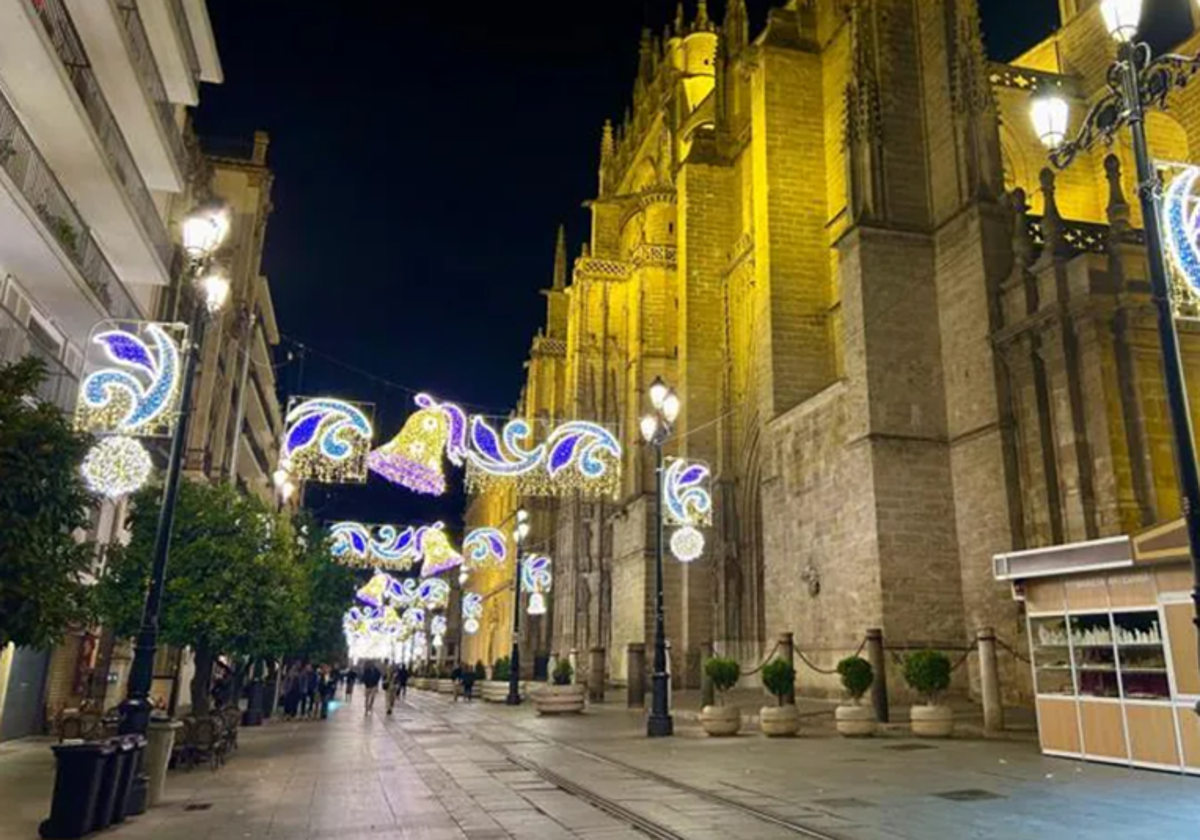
(126, 775)
(77, 782)
(106, 803)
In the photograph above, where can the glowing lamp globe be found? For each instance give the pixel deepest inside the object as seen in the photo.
(671, 407)
(1051, 117)
(1122, 17)
(203, 233)
(215, 288)
(649, 428)
(658, 392)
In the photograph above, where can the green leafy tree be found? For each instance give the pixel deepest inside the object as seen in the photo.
(43, 501)
(331, 592)
(235, 582)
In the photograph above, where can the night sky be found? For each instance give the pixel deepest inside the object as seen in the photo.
(425, 154)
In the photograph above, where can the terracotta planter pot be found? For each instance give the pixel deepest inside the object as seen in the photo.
(855, 721)
(720, 721)
(559, 699)
(779, 721)
(932, 721)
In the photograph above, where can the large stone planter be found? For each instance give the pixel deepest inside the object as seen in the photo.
(779, 721)
(445, 686)
(158, 755)
(855, 721)
(422, 683)
(720, 721)
(559, 699)
(932, 721)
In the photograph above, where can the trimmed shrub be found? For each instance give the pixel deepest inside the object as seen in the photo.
(856, 675)
(723, 672)
(563, 672)
(502, 670)
(927, 672)
(780, 678)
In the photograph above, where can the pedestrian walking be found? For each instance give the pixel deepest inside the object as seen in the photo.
(312, 691)
(303, 686)
(351, 679)
(371, 679)
(402, 676)
(456, 675)
(468, 682)
(391, 685)
(291, 692)
(326, 689)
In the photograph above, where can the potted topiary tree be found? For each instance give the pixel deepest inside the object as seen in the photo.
(721, 719)
(854, 720)
(495, 690)
(561, 696)
(927, 672)
(782, 719)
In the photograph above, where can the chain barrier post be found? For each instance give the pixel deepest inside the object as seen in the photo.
(989, 681)
(596, 675)
(787, 652)
(707, 693)
(879, 692)
(635, 675)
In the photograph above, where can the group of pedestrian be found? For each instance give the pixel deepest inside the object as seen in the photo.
(307, 691)
(393, 678)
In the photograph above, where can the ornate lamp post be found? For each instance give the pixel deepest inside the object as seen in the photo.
(514, 676)
(657, 427)
(203, 233)
(1137, 81)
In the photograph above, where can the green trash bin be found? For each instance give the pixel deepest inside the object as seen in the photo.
(80, 770)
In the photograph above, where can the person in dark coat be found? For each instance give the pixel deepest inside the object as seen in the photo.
(372, 676)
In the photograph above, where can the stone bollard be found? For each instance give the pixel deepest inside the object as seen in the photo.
(879, 692)
(989, 681)
(573, 658)
(787, 652)
(707, 693)
(635, 675)
(596, 675)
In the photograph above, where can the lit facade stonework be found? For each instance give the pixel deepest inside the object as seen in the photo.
(902, 348)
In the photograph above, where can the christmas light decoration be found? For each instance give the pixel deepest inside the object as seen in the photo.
(413, 459)
(365, 546)
(327, 440)
(403, 592)
(472, 611)
(537, 604)
(485, 547)
(687, 544)
(437, 554)
(139, 394)
(117, 466)
(536, 575)
(434, 593)
(376, 590)
(1181, 210)
(687, 498)
(577, 457)
(437, 628)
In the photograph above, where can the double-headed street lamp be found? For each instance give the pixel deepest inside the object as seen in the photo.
(657, 427)
(203, 233)
(1137, 81)
(520, 533)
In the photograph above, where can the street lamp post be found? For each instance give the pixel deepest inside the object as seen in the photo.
(657, 427)
(203, 234)
(1136, 81)
(514, 674)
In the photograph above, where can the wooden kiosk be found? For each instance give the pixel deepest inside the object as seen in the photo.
(1113, 648)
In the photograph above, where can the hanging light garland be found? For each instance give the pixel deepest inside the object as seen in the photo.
(327, 440)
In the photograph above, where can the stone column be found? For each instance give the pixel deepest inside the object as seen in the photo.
(787, 652)
(879, 692)
(707, 693)
(635, 678)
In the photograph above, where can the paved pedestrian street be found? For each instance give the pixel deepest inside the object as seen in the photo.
(437, 770)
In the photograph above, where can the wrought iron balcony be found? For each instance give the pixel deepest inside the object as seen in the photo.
(60, 386)
(67, 44)
(143, 58)
(20, 159)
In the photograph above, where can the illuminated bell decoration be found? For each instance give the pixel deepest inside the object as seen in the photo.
(413, 459)
(434, 546)
(687, 544)
(116, 467)
(376, 590)
(139, 393)
(537, 604)
(327, 441)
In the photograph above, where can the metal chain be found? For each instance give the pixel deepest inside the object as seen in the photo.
(862, 645)
(1012, 651)
(762, 664)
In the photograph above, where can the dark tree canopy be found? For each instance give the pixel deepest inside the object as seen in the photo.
(44, 506)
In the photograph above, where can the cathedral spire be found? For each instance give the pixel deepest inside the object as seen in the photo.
(560, 260)
(702, 21)
(736, 28)
(680, 20)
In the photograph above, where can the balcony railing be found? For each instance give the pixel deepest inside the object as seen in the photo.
(185, 32)
(143, 57)
(69, 47)
(60, 386)
(33, 177)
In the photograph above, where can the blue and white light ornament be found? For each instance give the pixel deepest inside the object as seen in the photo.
(687, 507)
(364, 546)
(327, 440)
(1181, 210)
(536, 580)
(137, 392)
(472, 612)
